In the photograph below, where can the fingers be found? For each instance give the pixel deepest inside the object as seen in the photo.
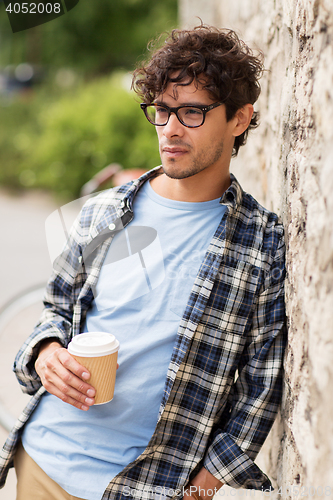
(70, 369)
(78, 401)
(64, 377)
(64, 373)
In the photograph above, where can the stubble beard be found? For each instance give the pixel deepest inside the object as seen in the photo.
(198, 164)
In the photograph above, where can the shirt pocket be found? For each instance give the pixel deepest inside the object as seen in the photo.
(233, 296)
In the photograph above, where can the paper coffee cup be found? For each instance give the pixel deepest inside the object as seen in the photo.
(98, 352)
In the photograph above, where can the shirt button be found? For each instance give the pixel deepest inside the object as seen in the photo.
(112, 227)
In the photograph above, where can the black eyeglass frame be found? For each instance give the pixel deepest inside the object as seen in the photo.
(170, 110)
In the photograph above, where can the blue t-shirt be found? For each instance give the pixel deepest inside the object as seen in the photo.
(140, 297)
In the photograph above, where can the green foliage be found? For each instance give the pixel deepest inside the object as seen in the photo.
(95, 37)
(60, 143)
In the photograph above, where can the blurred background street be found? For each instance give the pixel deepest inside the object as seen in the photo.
(24, 264)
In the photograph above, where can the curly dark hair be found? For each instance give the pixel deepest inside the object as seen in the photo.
(215, 59)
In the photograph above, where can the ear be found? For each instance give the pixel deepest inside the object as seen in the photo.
(242, 117)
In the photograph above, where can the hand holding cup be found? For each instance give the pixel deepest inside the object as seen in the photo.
(98, 353)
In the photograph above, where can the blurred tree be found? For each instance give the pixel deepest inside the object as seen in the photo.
(58, 142)
(94, 37)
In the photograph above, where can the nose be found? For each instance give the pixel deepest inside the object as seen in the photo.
(173, 127)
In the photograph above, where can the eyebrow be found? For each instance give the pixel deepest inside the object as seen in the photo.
(193, 104)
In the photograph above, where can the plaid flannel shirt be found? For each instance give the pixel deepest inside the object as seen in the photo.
(224, 381)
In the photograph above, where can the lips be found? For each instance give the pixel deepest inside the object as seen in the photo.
(173, 151)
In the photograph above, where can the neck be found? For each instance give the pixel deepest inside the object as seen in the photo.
(189, 189)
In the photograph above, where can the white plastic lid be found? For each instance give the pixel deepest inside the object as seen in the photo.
(93, 344)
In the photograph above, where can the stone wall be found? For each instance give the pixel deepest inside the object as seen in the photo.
(288, 166)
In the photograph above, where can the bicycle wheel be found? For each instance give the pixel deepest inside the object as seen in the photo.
(17, 319)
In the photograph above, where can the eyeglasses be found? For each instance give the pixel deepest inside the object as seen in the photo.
(190, 116)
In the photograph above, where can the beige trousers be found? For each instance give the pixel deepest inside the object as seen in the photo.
(33, 483)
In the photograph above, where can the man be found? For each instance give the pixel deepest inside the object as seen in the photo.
(187, 270)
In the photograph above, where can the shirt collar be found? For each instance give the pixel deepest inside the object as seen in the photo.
(232, 196)
(132, 188)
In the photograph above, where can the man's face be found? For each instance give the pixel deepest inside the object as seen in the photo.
(185, 151)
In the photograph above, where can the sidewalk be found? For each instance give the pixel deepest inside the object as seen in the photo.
(24, 262)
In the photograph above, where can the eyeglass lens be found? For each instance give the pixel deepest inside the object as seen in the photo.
(158, 115)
